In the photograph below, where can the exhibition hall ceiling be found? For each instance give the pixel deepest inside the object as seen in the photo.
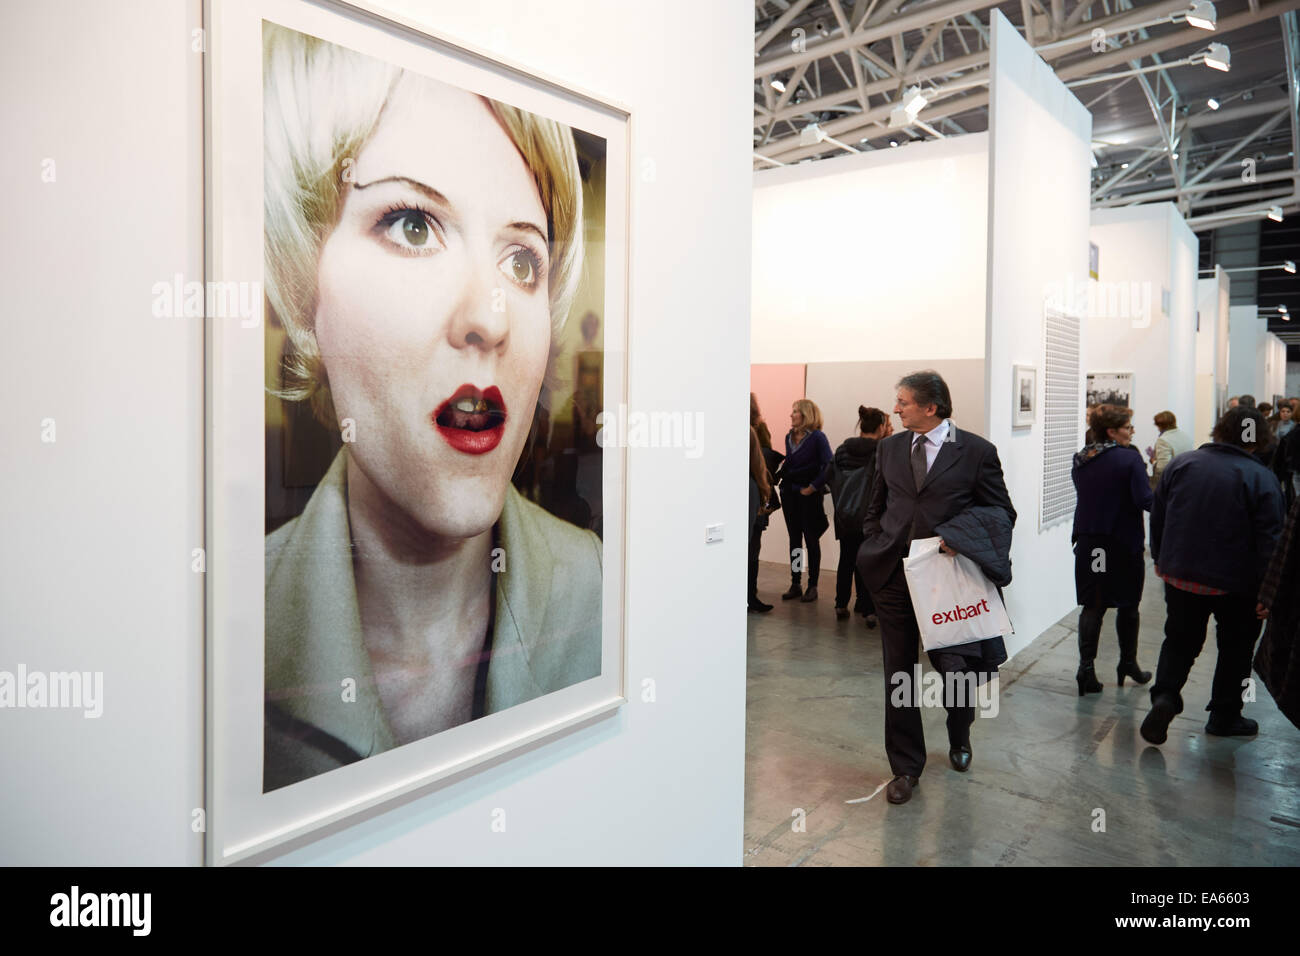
(1169, 123)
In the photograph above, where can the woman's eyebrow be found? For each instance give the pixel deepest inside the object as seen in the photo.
(440, 198)
(413, 183)
(531, 227)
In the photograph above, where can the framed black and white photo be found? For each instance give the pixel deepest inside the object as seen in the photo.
(1024, 396)
(1109, 388)
(415, 553)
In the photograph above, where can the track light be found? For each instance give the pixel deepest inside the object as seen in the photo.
(1202, 15)
(910, 108)
(778, 85)
(1212, 103)
(1218, 57)
(1288, 266)
(1275, 213)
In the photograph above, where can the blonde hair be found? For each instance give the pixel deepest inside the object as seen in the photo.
(812, 415)
(322, 103)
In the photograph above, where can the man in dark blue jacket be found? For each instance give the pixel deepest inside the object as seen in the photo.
(1215, 520)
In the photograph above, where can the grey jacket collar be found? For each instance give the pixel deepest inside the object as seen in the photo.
(313, 624)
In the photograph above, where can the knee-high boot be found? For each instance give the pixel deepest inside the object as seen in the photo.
(1089, 634)
(1126, 625)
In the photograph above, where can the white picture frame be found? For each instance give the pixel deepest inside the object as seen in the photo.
(1024, 396)
(243, 823)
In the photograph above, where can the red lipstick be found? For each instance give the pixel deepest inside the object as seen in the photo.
(472, 421)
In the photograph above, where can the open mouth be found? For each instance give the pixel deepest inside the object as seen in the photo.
(472, 420)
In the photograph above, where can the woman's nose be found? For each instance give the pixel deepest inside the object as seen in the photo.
(481, 319)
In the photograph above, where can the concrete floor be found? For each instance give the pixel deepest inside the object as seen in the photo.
(1040, 770)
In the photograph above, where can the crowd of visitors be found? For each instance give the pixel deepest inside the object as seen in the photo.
(1222, 540)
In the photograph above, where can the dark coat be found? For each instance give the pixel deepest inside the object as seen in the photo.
(983, 534)
(1216, 518)
(772, 458)
(806, 463)
(852, 455)
(1278, 660)
(1112, 492)
(966, 475)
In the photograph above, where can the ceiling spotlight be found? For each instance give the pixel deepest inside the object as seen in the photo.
(778, 85)
(893, 142)
(1175, 155)
(1282, 309)
(1212, 103)
(1202, 15)
(821, 27)
(1288, 266)
(1218, 57)
(1275, 213)
(1123, 165)
(910, 108)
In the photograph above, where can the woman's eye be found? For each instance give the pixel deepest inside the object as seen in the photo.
(409, 229)
(521, 266)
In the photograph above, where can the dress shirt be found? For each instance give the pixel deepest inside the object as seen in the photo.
(933, 439)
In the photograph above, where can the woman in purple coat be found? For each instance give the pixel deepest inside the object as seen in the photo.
(803, 483)
(1109, 565)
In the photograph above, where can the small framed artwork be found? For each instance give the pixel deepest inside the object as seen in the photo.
(1024, 396)
(1109, 388)
(415, 540)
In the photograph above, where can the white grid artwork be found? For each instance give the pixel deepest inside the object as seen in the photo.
(1062, 413)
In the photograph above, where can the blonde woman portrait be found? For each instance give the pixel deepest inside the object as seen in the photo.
(424, 245)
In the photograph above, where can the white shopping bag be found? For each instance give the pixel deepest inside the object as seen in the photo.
(953, 600)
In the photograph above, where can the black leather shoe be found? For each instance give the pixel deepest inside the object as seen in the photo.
(759, 607)
(1155, 728)
(1235, 726)
(841, 613)
(794, 592)
(900, 789)
(872, 621)
(959, 757)
(810, 595)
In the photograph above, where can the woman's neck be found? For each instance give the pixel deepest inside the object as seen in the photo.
(415, 590)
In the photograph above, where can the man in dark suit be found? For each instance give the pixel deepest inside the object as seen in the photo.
(926, 475)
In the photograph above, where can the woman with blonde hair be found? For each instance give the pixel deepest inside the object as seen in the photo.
(803, 483)
(423, 245)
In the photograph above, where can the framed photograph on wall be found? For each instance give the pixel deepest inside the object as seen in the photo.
(415, 540)
(1109, 388)
(1024, 396)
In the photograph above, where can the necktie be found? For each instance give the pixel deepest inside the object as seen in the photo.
(919, 467)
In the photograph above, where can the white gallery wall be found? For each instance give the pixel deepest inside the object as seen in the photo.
(1145, 254)
(1245, 366)
(102, 487)
(1211, 336)
(872, 257)
(95, 565)
(1270, 365)
(1038, 241)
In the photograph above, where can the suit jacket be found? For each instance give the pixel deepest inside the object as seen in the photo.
(966, 472)
(546, 632)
